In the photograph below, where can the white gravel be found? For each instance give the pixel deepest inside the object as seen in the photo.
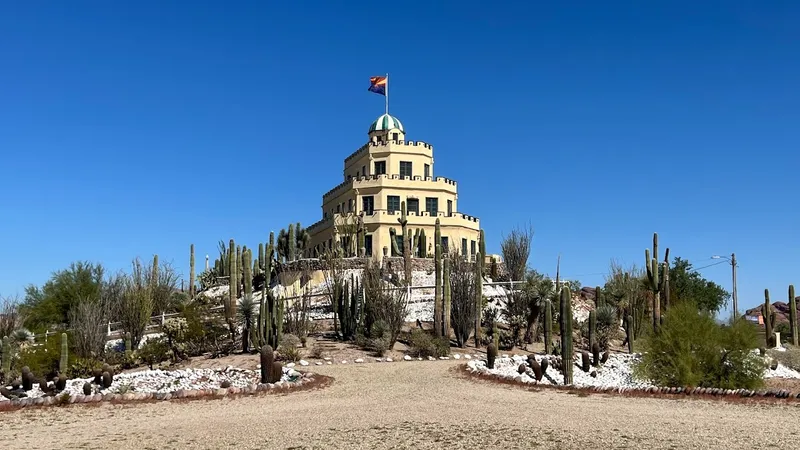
(617, 372)
(169, 381)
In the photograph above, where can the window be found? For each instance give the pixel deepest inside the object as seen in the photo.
(449, 207)
(393, 203)
(368, 204)
(405, 169)
(445, 245)
(427, 171)
(432, 205)
(338, 208)
(368, 244)
(464, 247)
(412, 204)
(363, 171)
(395, 136)
(380, 167)
(350, 205)
(472, 249)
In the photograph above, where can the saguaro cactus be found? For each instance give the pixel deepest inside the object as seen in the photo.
(653, 279)
(232, 282)
(437, 296)
(478, 297)
(793, 315)
(769, 320)
(566, 334)
(598, 299)
(63, 363)
(548, 327)
(446, 293)
(247, 261)
(592, 327)
(6, 356)
(406, 242)
(292, 243)
(191, 271)
(481, 250)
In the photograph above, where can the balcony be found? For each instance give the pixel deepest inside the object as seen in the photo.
(393, 181)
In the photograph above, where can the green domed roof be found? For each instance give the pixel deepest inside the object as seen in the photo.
(385, 123)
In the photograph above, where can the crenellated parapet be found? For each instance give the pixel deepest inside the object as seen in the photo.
(364, 149)
(386, 180)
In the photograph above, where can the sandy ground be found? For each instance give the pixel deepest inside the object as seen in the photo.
(413, 405)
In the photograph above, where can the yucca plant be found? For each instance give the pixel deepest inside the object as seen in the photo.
(246, 318)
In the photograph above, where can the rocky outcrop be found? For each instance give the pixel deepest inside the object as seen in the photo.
(781, 311)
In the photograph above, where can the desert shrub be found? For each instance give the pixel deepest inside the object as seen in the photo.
(607, 327)
(83, 367)
(462, 298)
(155, 350)
(296, 320)
(789, 358)
(424, 344)
(289, 348)
(206, 331)
(317, 352)
(88, 321)
(384, 306)
(691, 349)
(42, 359)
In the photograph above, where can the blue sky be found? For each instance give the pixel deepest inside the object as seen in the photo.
(134, 128)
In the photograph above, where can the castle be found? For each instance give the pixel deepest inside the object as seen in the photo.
(361, 213)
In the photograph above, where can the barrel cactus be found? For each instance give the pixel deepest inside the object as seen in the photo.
(491, 355)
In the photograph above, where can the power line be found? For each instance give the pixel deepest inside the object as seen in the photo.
(712, 265)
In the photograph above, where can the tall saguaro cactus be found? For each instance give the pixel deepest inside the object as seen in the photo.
(654, 281)
(548, 326)
(566, 334)
(247, 261)
(478, 297)
(292, 243)
(446, 300)
(407, 242)
(793, 315)
(63, 363)
(437, 296)
(769, 320)
(232, 282)
(191, 271)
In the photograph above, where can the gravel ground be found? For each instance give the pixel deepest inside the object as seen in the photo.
(419, 405)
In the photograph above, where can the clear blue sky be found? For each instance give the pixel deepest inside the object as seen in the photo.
(134, 128)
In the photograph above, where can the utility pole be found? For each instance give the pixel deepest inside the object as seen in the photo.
(734, 294)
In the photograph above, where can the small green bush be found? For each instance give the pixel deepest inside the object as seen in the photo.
(83, 367)
(43, 359)
(691, 349)
(423, 345)
(154, 351)
(289, 348)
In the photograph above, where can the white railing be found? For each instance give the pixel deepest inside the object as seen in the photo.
(114, 329)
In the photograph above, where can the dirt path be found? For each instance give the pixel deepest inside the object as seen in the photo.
(416, 405)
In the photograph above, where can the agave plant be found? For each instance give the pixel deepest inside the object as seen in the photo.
(21, 337)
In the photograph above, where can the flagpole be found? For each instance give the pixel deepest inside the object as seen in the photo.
(387, 93)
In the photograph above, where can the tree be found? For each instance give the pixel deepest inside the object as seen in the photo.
(516, 249)
(50, 304)
(463, 307)
(135, 304)
(685, 283)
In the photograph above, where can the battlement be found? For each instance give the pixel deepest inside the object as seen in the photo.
(365, 148)
(370, 179)
(381, 215)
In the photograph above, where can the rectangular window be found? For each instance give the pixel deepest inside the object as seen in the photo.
(412, 204)
(395, 136)
(380, 167)
(464, 247)
(472, 249)
(368, 204)
(393, 203)
(338, 208)
(363, 171)
(445, 244)
(432, 205)
(405, 169)
(427, 171)
(449, 208)
(368, 244)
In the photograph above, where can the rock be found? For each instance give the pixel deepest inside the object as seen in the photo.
(327, 358)
(329, 363)
(431, 358)
(359, 360)
(291, 364)
(344, 362)
(319, 363)
(408, 358)
(456, 356)
(468, 356)
(444, 357)
(303, 362)
(389, 360)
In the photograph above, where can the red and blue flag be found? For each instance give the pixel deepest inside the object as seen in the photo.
(378, 85)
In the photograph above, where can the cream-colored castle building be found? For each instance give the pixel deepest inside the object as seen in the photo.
(380, 175)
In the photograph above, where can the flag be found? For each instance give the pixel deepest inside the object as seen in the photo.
(378, 85)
